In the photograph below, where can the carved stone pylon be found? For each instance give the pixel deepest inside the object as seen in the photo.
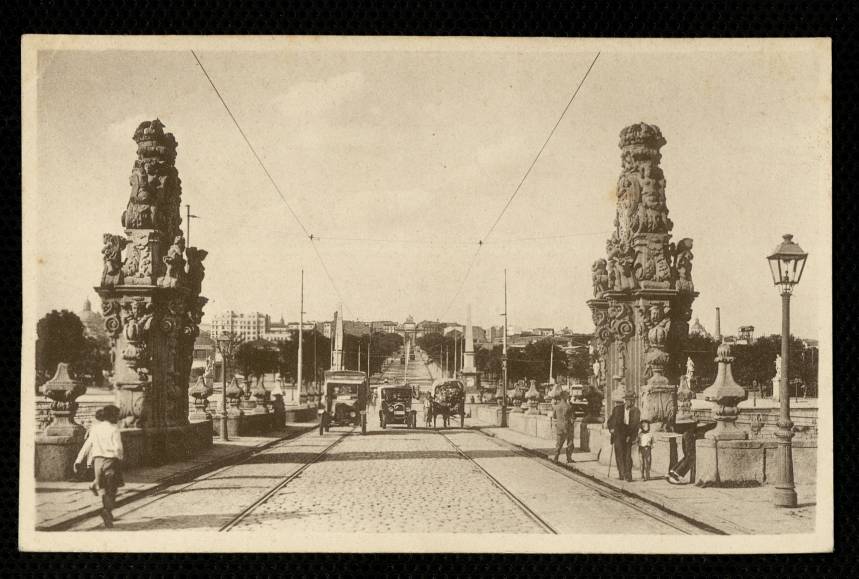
(152, 305)
(643, 290)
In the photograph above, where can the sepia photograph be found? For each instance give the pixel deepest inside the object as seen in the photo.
(426, 294)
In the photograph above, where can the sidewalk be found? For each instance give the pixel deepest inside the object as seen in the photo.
(64, 503)
(733, 511)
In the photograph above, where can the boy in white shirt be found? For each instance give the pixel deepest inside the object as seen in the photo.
(645, 443)
(103, 450)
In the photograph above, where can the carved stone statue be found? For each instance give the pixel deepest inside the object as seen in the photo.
(175, 262)
(112, 255)
(196, 270)
(600, 277)
(660, 323)
(137, 320)
(683, 265)
(621, 263)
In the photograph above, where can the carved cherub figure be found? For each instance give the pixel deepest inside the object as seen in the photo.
(196, 270)
(600, 277)
(112, 254)
(175, 262)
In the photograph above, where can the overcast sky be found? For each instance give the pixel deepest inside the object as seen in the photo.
(425, 146)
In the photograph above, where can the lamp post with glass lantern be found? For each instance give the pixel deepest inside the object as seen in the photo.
(786, 265)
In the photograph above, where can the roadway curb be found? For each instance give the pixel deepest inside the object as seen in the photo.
(691, 516)
(185, 476)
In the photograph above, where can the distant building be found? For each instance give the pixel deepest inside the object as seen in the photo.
(696, 329)
(479, 334)
(277, 331)
(92, 321)
(205, 355)
(746, 335)
(496, 334)
(430, 327)
(250, 326)
(543, 331)
(355, 328)
(385, 326)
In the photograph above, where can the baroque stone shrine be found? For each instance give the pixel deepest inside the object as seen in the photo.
(643, 290)
(152, 308)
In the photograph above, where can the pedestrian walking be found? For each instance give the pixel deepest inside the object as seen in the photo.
(688, 429)
(623, 427)
(427, 409)
(562, 412)
(104, 452)
(645, 444)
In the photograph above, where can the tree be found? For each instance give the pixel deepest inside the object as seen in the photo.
(702, 351)
(579, 364)
(95, 359)
(60, 338)
(490, 361)
(287, 359)
(257, 357)
(757, 361)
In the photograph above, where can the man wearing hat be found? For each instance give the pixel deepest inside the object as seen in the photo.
(623, 426)
(688, 428)
(562, 412)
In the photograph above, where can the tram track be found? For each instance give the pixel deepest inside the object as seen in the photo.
(678, 522)
(540, 521)
(232, 523)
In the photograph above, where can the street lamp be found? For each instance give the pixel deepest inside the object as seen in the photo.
(786, 265)
(227, 342)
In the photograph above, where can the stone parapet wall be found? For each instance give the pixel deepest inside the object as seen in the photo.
(804, 420)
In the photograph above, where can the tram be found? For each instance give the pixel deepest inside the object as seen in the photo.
(345, 401)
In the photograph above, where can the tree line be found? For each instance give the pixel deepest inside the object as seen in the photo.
(261, 357)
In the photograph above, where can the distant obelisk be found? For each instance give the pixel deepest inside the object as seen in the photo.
(469, 373)
(337, 359)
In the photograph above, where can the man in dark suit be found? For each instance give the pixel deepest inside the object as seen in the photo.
(623, 426)
(688, 429)
(562, 412)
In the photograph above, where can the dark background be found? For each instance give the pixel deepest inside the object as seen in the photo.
(590, 18)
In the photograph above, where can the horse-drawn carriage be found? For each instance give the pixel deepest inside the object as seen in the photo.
(448, 401)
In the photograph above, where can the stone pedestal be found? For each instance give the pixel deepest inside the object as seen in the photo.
(55, 456)
(58, 446)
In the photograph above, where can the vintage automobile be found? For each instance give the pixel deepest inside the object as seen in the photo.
(345, 400)
(448, 400)
(395, 406)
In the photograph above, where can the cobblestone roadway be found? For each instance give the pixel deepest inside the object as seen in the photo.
(396, 480)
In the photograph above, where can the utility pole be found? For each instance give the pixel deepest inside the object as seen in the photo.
(300, 341)
(455, 352)
(188, 218)
(369, 342)
(504, 359)
(551, 357)
(315, 365)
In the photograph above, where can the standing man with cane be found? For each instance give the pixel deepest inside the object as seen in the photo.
(623, 426)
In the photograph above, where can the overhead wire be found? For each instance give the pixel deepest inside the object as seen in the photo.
(270, 178)
(485, 238)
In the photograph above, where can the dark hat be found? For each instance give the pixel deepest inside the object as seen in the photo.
(563, 394)
(629, 395)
